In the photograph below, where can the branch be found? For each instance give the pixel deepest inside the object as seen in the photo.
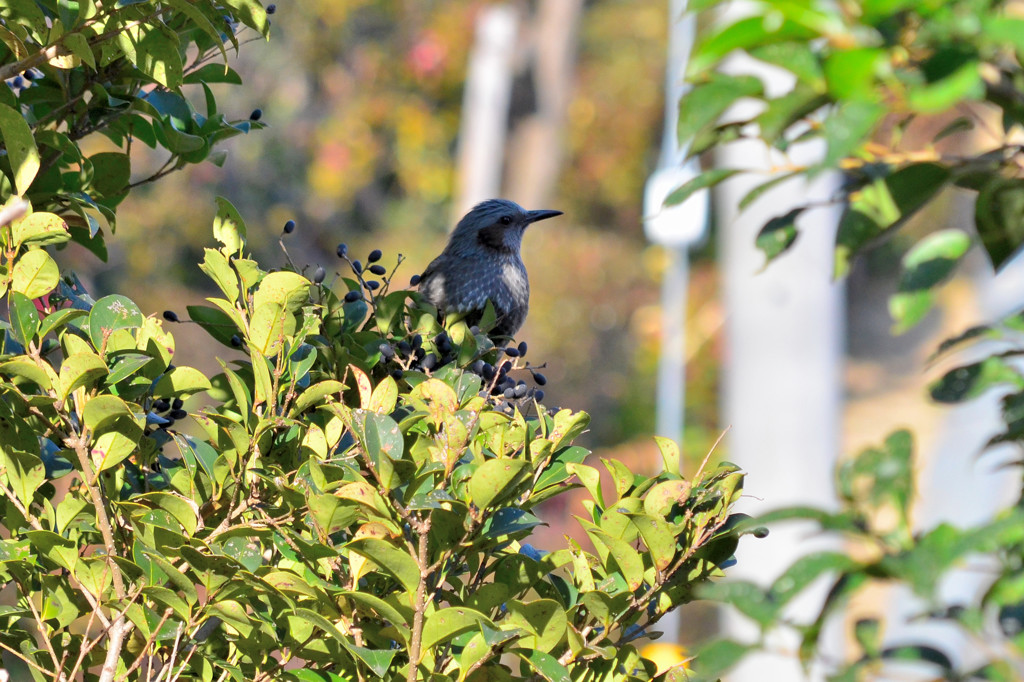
(120, 627)
(415, 644)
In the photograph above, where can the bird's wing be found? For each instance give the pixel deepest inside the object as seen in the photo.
(432, 284)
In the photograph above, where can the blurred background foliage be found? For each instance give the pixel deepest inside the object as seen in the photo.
(360, 147)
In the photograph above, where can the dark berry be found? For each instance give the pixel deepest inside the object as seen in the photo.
(170, 316)
(373, 285)
(429, 361)
(353, 296)
(271, 8)
(319, 274)
(477, 367)
(488, 371)
(378, 270)
(520, 390)
(509, 393)
(177, 404)
(342, 250)
(374, 256)
(540, 378)
(522, 349)
(161, 405)
(178, 414)
(404, 348)
(414, 280)
(538, 395)
(357, 266)
(417, 341)
(504, 368)
(512, 352)
(396, 374)
(289, 227)
(760, 532)
(256, 115)
(386, 350)
(236, 340)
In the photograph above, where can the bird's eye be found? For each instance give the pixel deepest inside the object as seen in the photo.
(506, 219)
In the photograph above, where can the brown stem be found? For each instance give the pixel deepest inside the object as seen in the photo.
(120, 627)
(415, 644)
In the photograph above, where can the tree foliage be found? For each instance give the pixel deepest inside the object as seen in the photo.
(870, 80)
(349, 498)
(889, 88)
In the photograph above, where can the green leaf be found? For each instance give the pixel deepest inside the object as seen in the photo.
(628, 559)
(707, 179)
(382, 608)
(658, 536)
(212, 73)
(778, 234)
(60, 550)
(217, 268)
(56, 320)
(746, 33)
(158, 57)
(35, 274)
(701, 108)
(181, 381)
(229, 228)
(999, 218)
(847, 127)
(377, 660)
(41, 229)
(970, 381)
(290, 290)
(930, 262)
(492, 478)
(436, 398)
(883, 205)
(103, 409)
(546, 665)
(663, 496)
(957, 88)
(714, 659)
(330, 513)
(111, 174)
(268, 327)
(124, 365)
(444, 624)
(25, 472)
(543, 619)
(27, 369)
(80, 369)
(24, 318)
(390, 559)
(109, 314)
(21, 148)
(851, 74)
(379, 435)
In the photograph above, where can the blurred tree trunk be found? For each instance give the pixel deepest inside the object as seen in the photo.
(537, 145)
(518, 87)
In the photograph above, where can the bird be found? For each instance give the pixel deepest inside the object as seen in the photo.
(481, 263)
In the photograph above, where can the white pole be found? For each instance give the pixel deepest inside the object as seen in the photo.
(485, 107)
(675, 228)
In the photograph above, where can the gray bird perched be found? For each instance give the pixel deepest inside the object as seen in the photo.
(481, 262)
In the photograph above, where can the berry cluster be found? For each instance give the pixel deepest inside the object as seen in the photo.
(366, 275)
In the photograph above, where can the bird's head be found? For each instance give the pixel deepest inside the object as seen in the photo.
(497, 225)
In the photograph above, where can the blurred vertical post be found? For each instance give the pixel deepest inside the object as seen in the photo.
(782, 387)
(675, 228)
(485, 107)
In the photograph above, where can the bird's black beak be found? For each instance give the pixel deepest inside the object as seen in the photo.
(534, 216)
